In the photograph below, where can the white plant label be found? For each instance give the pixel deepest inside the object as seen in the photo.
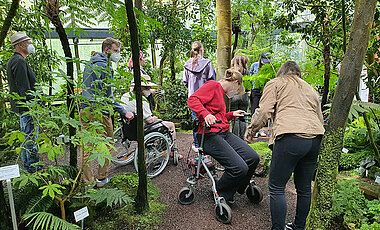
(344, 150)
(81, 214)
(9, 172)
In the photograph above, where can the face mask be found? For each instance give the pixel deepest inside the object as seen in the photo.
(115, 57)
(31, 49)
(146, 92)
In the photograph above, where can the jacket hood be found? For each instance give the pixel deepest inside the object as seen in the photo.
(202, 63)
(100, 57)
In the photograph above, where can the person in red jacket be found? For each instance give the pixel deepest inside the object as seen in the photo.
(235, 155)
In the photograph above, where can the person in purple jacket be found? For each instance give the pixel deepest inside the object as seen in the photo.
(197, 71)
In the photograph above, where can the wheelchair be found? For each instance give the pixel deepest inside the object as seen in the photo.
(223, 211)
(158, 142)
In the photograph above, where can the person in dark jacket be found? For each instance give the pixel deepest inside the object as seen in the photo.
(96, 86)
(239, 102)
(197, 71)
(22, 79)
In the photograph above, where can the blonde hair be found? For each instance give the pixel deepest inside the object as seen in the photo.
(108, 43)
(239, 63)
(195, 52)
(233, 75)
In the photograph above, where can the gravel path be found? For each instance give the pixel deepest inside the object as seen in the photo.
(200, 214)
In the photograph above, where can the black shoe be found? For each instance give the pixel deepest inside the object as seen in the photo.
(290, 226)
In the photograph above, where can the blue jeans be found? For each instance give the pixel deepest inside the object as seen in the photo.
(238, 159)
(291, 154)
(195, 142)
(29, 152)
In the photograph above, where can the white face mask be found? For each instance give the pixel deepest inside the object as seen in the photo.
(31, 49)
(146, 92)
(115, 57)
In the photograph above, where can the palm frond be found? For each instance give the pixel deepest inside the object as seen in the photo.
(39, 204)
(44, 220)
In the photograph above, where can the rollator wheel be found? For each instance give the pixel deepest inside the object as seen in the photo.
(254, 193)
(186, 196)
(224, 216)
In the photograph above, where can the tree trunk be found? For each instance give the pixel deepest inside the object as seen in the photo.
(224, 36)
(52, 9)
(3, 34)
(153, 49)
(141, 200)
(161, 70)
(235, 44)
(138, 4)
(332, 143)
(172, 69)
(8, 21)
(344, 25)
(326, 58)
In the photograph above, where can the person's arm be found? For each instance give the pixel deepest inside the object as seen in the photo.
(185, 78)
(211, 72)
(199, 98)
(265, 111)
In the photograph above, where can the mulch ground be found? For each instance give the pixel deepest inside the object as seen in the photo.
(200, 214)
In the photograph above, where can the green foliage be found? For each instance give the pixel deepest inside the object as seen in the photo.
(265, 157)
(44, 220)
(349, 205)
(373, 226)
(112, 196)
(176, 102)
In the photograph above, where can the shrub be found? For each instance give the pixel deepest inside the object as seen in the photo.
(265, 157)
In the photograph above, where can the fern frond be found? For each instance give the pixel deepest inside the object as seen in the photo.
(44, 220)
(112, 196)
(38, 204)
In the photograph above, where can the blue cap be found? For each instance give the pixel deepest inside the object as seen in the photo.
(265, 57)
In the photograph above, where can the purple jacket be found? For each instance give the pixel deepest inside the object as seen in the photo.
(194, 78)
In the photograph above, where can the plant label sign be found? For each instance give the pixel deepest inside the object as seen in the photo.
(9, 172)
(81, 214)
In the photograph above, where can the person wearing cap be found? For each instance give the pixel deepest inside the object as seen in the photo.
(235, 155)
(256, 91)
(22, 80)
(96, 86)
(130, 105)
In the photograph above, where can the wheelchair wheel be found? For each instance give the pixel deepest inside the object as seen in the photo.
(223, 215)
(186, 196)
(254, 193)
(122, 155)
(157, 151)
(175, 158)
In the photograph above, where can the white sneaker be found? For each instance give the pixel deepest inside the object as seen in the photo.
(195, 149)
(101, 183)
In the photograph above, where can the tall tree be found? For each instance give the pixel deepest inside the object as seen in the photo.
(224, 36)
(332, 143)
(8, 20)
(52, 12)
(141, 200)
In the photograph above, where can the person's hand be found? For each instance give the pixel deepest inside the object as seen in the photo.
(248, 138)
(129, 115)
(238, 113)
(154, 118)
(210, 120)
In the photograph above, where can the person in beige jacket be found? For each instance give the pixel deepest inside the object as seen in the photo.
(294, 108)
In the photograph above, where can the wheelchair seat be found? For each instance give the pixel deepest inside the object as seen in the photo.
(130, 128)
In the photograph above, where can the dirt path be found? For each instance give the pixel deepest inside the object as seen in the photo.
(200, 214)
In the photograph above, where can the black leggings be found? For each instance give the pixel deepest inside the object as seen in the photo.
(238, 159)
(292, 154)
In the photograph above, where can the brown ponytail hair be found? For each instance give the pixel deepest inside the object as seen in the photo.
(239, 63)
(195, 52)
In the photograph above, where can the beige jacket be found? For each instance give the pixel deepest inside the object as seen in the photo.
(292, 105)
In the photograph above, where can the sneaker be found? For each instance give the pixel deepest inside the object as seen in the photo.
(101, 183)
(88, 187)
(262, 133)
(290, 226)
(195, 149)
